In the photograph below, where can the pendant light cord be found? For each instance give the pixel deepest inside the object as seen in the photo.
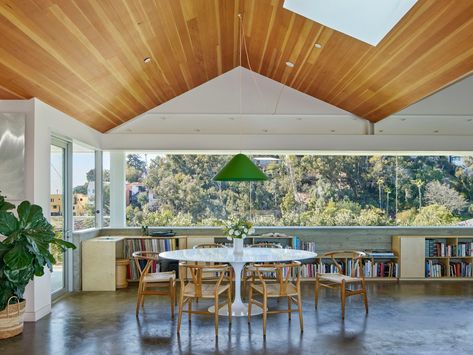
(245, 46)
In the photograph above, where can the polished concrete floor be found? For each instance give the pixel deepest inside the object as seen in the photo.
(404, 318)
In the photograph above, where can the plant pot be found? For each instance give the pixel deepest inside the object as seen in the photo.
(238, 246)
(11, 318)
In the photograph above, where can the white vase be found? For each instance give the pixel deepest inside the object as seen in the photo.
(238, 246)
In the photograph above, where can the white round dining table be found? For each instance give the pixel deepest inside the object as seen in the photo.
(238, 261)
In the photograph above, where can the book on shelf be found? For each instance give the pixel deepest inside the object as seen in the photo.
(380, 253)
(152, 244)
(460, 269)
(440, 248)
(380, 269)
(434, 268)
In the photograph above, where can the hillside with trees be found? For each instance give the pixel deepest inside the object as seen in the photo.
(308, 190)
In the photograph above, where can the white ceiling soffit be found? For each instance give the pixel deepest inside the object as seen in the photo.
(367, 20)
(214, 108)
(447, 112)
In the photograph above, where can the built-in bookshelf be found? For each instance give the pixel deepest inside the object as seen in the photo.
(449, 257)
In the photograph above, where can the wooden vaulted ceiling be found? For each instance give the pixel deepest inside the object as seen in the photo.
(85, 57)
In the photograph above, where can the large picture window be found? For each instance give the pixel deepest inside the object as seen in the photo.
(302, 190)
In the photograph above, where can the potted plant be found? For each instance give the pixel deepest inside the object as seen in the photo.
(237, 230)
(25, 241)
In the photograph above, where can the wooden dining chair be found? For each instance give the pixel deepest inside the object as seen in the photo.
(210, 274)
(249, 269)
(342, 281)
(195, 288)
(284, 287)
(153, 283)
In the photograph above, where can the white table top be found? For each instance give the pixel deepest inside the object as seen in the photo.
(250, 255)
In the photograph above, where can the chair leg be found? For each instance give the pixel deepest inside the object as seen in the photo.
(138, 301)
(143, 297)
(299, 308)
(289, 301)
(365, 296)
(265, 313)
(216, 315)
(317, 285)
(172, 295)
(250, 301)
(229, 305)
(179, 316)
(342, 298)
(189, 308)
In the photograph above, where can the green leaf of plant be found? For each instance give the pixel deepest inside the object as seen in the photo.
(30, 215)
(18, 257)
(4, 205)
(63, 243)
(3, 249)
(8, 223)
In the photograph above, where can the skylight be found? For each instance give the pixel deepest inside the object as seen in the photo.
(367, 20)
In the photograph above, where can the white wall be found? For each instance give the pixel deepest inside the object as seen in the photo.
(42, 121)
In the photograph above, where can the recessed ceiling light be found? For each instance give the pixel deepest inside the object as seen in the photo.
(147, 60)
(317, 45)
(290, 64)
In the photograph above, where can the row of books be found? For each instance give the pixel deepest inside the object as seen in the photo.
(152, 244)
(441, 248)
(303, 245)
(437, 248)
(460, 269)
(465, 249)
(380, 269)
(434, 269)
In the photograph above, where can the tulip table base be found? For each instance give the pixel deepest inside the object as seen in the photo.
(239, 309)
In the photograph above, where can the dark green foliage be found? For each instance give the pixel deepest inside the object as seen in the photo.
(308, 190)
(25, 250)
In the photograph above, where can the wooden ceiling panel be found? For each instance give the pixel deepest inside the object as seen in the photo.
(85, 57)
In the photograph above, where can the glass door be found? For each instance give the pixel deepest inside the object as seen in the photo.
(60, 212)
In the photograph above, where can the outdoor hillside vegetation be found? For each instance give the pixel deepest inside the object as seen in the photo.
(306, 190)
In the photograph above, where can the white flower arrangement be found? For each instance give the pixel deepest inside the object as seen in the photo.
(237, 228)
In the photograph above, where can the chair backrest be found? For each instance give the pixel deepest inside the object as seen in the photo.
(196, 272)
(285, 272)
(144, 260)
(266, 245)
(355, 255)
(208, 245)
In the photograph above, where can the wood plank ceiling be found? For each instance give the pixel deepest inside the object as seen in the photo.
(85, 57)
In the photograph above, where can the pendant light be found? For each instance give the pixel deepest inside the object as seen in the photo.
(240, 167)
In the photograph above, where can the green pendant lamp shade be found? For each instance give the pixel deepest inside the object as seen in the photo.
(240, 168)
